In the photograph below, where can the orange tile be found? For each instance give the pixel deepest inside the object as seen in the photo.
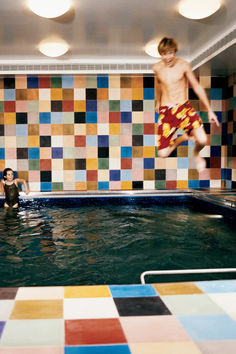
(149, 151)
(80, 186)
(68, 129)
(137, 82)
(182, 184)
(92, 186)
(21, 82)
(137, 151)
(126, 94)
(80, 106)
(37, 309)
(79, 81)
(56, 94)
(91, 129)
(32, 94)
(33, 129)
(2, 165)
(86, 291)
(57, 129)
(177, 288)
(68, 94)
(102, 94)
(9, 118)
(137, 93)
(21, 94)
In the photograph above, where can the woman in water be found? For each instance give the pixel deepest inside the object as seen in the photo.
(9, 186)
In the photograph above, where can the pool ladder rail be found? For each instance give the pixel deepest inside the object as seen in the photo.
(185, 271)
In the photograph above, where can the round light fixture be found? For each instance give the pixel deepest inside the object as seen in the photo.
(53, 48)
(197, 9)
(49, 8)
(151, 49)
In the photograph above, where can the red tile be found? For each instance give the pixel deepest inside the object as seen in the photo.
(114, 117)
(126, 163)
(215, 162)
(171, 184)
(67, 106)
(95, 331)
(80, 140)
(9, 106)
(45, 165)
(149, 128)
(44, 82)
(92, 175)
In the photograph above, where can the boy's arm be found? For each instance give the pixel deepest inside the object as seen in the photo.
(19, 180)
(199, 90)
(157, 91)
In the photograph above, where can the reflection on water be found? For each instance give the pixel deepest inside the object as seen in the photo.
(108, 245)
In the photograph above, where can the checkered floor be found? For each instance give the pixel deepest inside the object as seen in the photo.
(184, 318)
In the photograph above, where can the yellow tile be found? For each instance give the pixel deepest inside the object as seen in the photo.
(80, 106)
(56, 94)
(37, 309)
(80, 186)
(114, 128)
(44, 106)
(87, 291)
(177, 288)
(149, 151)
(33, 141)
(165, 348)
(126, 185)
(137, 94)
(9, 118)
(80, 129)
(92, 164)
(182, 184)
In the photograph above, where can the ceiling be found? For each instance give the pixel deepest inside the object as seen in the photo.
(116, 31)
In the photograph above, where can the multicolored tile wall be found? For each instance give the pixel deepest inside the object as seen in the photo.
(97, 132)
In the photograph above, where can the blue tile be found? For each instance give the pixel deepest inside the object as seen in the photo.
(46, 186)
(126, 151)
(102, 81)
(67, 81)
(149, 140)
(57, 153)
(148, 93)
(126, 117)
(114, 175)
(2, 153)
(182, 162)
(9, 95)
(149, 163)
(126, 175)
(80, 176)
(44, 117)
(91, 106)
(103, 185)
(204, 184)
(125, 105)
(33, 153)
(2, 324)
(98, 349)
(91, 140)
(32, 82)
(56, 117)
(209, 327)
(216, 94)
(21, 130)
(215, 151)
(193, 184)
(219, 116)
(132, 290)
(103, 140)
(217, 286)
(157, 115)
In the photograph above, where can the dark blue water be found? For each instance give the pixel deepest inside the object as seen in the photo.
(109, 244)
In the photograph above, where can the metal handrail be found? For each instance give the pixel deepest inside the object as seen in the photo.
(185, 271)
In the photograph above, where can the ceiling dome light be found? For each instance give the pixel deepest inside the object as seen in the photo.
(197, 9)
(49, 8)
(53, 48)
(151, 49)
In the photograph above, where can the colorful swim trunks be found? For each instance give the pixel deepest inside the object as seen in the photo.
(172, 118)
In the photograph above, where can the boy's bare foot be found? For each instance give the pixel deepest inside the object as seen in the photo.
(200, 162)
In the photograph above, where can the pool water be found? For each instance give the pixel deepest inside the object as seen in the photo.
(109, 244)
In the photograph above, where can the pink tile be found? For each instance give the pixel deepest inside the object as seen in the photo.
(215, 129)
(34, 176)
(34, 350)
(153, 329)
(10, 153)
(126, 140)
(115, 185)
(45, 129)
(21, 106)
(149, 117)
(103, 117)
(137, 175)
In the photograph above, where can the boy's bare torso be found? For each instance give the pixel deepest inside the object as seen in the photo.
(172, 82)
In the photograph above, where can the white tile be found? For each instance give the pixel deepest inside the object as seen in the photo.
(40, 293)
(6, 307)
(90, 308)
(226, 301)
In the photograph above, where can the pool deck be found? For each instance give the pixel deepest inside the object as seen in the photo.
(173, 318)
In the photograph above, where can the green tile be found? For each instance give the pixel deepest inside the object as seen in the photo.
(204, 117)
(68, 117)
(91, 81)
(114, 106)
(231, 103)
(56, 82)
(1, 106)
(156, 154)
(34, 165)
(33, 106)
(57, 186)
(215, 139)
(137, 129)
(160, 184)
(224, 117)
(103, 164)
(114, 140)
(68, 153)
(149, 106)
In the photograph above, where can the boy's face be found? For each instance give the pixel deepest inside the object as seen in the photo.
(9, 176)
(168, 57)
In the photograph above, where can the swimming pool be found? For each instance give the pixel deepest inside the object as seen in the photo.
(111, 239)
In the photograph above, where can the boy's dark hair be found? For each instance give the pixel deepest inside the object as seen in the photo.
(5, 172)
(167, 44)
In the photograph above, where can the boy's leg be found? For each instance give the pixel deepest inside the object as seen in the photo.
(200, 141)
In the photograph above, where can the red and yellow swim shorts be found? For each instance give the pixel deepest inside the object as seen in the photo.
(172, 118)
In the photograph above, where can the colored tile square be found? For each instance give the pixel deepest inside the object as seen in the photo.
(227, 301)
(37, 309)
(102, 81)
(217, 286)
(94, 331)
(177, 288)
(168, 347)
(141, 306)
(118, 291)
(32, 82)
(101, 349)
